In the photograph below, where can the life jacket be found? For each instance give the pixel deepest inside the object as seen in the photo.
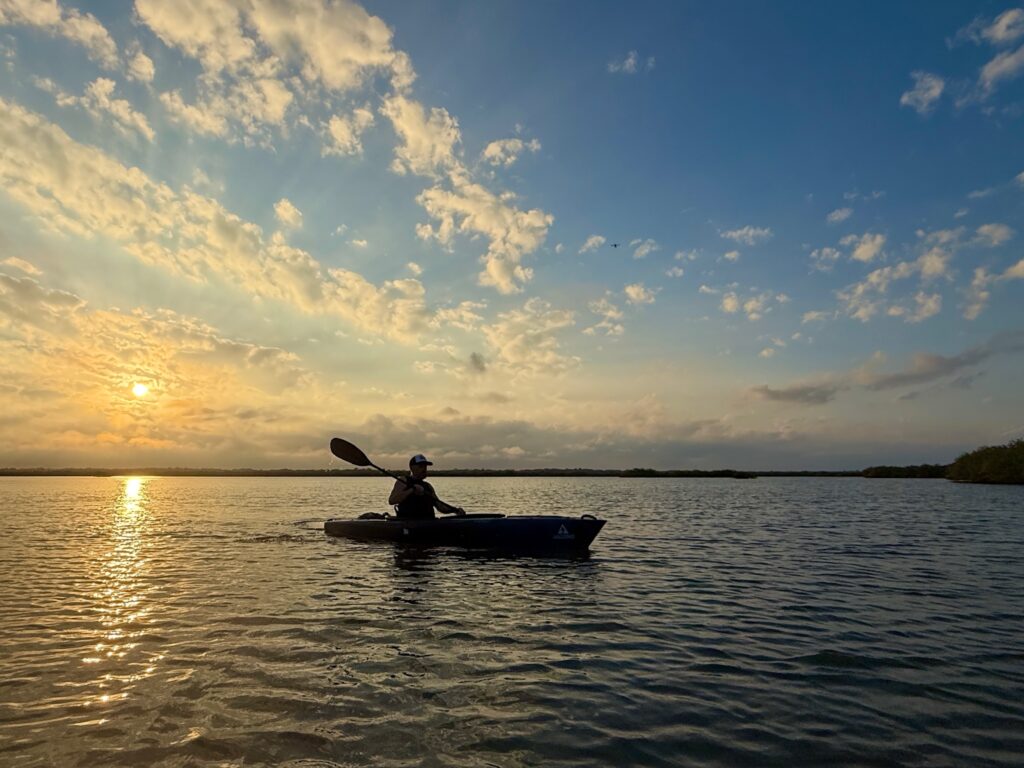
(417, 507)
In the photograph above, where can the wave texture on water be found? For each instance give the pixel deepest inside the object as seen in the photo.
(209, 621)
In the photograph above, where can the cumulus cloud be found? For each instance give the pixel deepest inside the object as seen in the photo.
(866, 247)
(637, 293)
(76, 189)
(610, 316)
(643, 248)
(993, 235)
(140, 66)
(748, 235)
(592, 244)
(287, 213)
(429, 141)
(504, 152)
(675, 272)
(839, 215)
(21, 265)
(1005, 66)
(98, 100)
(767, 352)
(526, 339)
(823, 259)
(926, 91)
(731, 256)
(345, 132)
(754, 306)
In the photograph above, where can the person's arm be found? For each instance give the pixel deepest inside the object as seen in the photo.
(447, 509)
(401, 492)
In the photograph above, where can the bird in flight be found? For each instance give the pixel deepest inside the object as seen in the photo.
(615, 245)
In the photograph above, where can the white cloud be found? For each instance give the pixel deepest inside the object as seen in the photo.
(636, 293)
(675, 272)
(839, 215)
(748, 235)
(814, 316)
(960, 213)
(1002, 30)
(767, 352)
(559, 248)
(977, 194)
(731, 256)
(204, 119)
(360, 243)
(345, 132)
(925, 306)
(993, 235)
(1019, 178)
(140, 66)
(643, 248)
(592, 244)
(1005, 66)
(429, 142)
(866, 247)
(525, 339)
(98, 101)
(754, 306)
(505, 152)
(730, 303)
(630, 64)
(79, 190)
(610, 315)
(287, 213)
(823, 259)
(686, 255)
(54, 19)
(707, 289)
(926, 91)
(470, 208)
(415, 268)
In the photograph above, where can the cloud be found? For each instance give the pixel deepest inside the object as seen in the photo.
(630, 64)
(78, 190)
(748, 235)
(643, 248)
(993, 235)
(472, 209)
(1002, 30)
(415, 268)
(927, 367)
(675, 272)
(731, 256)
(98, 101)
(754, 306)
(1005, 66)
(636, 293)
(767, 352)
(866, 247)
(345, 132)
(429, 141)
(925, 306)
(139, 65)
(592, 244)
(1019, 178)
(926, 91)
(839, 215)
(804, 394)
(823, 259)
(505, 152)
(288, 214)
(610, 317)
(360, 243)
(201, 119)
(814, 316)
(69, 23)
(525, 340)
(730, 303)
(21, 265)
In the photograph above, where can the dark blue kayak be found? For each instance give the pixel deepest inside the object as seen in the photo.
(477, 531)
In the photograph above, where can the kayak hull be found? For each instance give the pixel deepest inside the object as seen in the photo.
(498, 532)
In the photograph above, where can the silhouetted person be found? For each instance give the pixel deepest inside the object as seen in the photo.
(416, 499)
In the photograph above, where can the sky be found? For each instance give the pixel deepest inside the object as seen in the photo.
(673, 235)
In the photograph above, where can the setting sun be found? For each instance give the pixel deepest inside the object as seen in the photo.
(140, 390)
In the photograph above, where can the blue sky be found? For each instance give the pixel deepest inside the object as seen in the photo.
(395, 222)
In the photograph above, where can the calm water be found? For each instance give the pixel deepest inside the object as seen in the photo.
(190, 621)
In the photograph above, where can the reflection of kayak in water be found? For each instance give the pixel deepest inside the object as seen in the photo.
(476, 531)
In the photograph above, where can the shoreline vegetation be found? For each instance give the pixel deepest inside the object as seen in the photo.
(1002, 464)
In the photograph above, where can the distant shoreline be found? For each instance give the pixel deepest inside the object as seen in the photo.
(577, 472)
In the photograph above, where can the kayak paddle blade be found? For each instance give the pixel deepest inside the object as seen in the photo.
(345, 451)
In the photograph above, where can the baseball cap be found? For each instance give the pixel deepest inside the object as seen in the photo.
(419, 458)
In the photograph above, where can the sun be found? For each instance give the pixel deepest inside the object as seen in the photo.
(140, 389)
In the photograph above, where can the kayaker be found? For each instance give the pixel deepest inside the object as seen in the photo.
(416, 499)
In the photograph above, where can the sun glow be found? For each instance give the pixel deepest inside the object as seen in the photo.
(140, 389)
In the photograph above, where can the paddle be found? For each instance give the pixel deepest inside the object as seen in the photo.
(345, 451)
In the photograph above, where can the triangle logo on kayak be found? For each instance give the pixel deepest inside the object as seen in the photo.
(563, 533)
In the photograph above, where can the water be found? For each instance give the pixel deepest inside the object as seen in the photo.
(207, 621)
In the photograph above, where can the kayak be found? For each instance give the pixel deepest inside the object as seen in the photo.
(476, 531)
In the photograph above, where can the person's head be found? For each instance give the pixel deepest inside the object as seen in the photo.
(418, 465)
